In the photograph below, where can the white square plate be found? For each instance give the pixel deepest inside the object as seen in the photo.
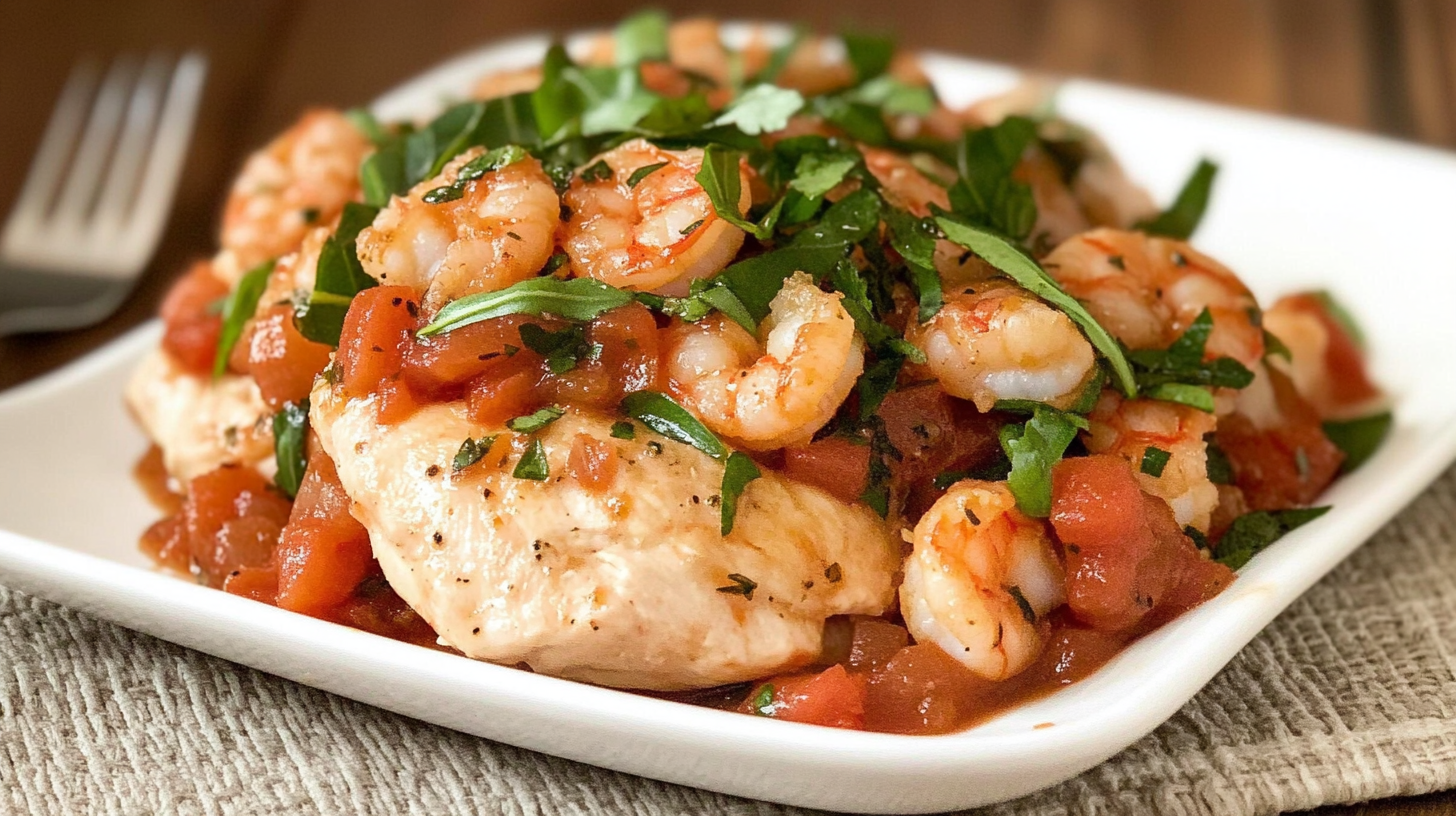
(1297, 205)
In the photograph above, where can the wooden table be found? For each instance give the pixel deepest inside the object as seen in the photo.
(1383, 65)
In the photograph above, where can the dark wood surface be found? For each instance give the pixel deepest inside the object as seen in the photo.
(1387, 66)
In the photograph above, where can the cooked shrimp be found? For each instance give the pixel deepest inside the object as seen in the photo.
(914, 189)
(1325, 363)
(1001, 343)
(1130, 428)
(657, 236)
(695, 46)
(1147, 290)
(499, 232)
(981, 580)
(304, 176)
(775, 393)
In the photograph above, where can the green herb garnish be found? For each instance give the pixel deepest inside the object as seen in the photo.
(578, 299)
(290, 437)
(237, 308)
(661, 413)
(533, 464)
(742, 585)
(623, 430)
(1181, 219)
(1034, 448)
(1359, 438)
(1251, 533)
(1154, 461)
(535, 421)
(339, 278)
(737, 473)
(471, 451)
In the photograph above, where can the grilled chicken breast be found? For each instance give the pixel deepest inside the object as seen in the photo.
(627, 587)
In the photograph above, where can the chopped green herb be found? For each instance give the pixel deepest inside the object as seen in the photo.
(471, 451)
(869, 54)
(1034, 448)
(894, 97)
(763, 700)
(598, 171)
(1182, 363)
(237, 310)
(555, 262)
(562, 349)
(996, 251)
(876, 493)
(624, 430)
(986, 193)
(575, 299)
(290, 437)
(1274, 347)
(1154, 461)
(818, 173)
(721, 180)
(535, 421)
(1359, 438)
(534, 464)
(1251, 533)
(691, 228)
(737, 473)
(659, 412)
(1027, 612)
(643, 172)
(487, 162)
(339, 277)
(762, 109)
(640, 38)
(742, 585)
(1220, 471)
(1194, 396)
(1181, 219)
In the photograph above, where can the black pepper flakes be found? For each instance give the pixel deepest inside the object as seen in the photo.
(432, 471)
(834, 573)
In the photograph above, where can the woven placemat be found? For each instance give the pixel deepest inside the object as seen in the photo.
(1348, 696)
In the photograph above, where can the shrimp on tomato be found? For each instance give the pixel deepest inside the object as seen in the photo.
(1325, 360)
(981, 580)
(301, 178)
(499, 230)
(1164, 443)
(1147, 290)
(658, 234)
(999, 342)
(775, 390)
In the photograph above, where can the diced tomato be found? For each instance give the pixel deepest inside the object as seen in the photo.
(921, 690)
(376, 608)
(1125, 553)
(1200, 578)
(167, 544)
(281, 360)
(935, 433)
(508, 391)
(440, 366)
(324, 552)
(837, 466)
(833, 698)
(592, 462)
(874, 641)
(377, 332)
(1284, 466)
(258, 583)
(193, 321)
(1073, 652)
(626, 360)
(232, 517)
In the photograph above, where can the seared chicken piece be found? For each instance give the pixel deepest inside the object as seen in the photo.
(627, 587)
(200, 423)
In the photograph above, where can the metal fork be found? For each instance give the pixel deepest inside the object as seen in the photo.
(98, 193)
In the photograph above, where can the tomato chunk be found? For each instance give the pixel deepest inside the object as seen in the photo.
(324, 552)
(232, 518)
(1283, 466)
(1125, 554)
(377, 332)
(837, 466)
(621, 357)
(592, 462)
(440, 366)
(921, 690)
(832, 698)
(193, 322)
(281, 360)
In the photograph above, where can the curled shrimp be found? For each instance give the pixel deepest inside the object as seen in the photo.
(1132, 428)
(1325, 362)
(1146, 291)
(303, 177)
(1001, 343)
(775, 393)
(981, 580)
(500, 231)
(658, 235)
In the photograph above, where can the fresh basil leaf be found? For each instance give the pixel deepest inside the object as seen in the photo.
(1251, 533)
(894, 97)
(999, 252)
(1194, 396)
(506, 120)
(1359, 438)
(535, 421)
(382, 174)
(986, 192)
(339, 277)
(290, 445)
(1034, 448)
(762, 109)
(640, 38)
(818, 173)
(237, 309)
(1155, 460)
(556, 102)
(885, 341)
(579, 299)
(643, 172)
(674, 116)
(471, 451)
(1181, 219)
(723, 299)
(721, 180)
(847, 222)
(661, 413)
(1182, 364)
(876, 383)
(487, 162)
(623, 430)
(876, 493)
(533, 464)
(869, 54)
(737, 473)
(364, 122)
(860, 121)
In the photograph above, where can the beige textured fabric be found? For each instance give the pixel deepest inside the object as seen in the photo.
(1348, 696)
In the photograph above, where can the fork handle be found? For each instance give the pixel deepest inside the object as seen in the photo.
(50, 301)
